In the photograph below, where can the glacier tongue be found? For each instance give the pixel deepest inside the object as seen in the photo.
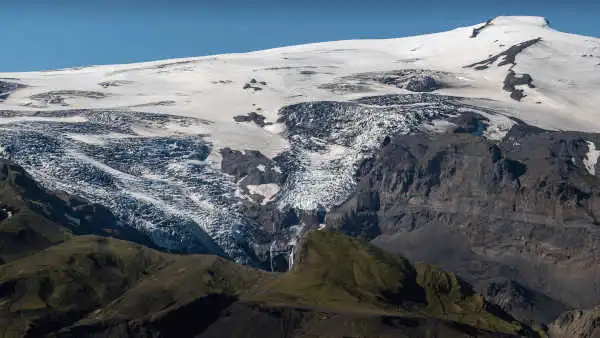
(329, 140)
(159, 184)
(162, 182)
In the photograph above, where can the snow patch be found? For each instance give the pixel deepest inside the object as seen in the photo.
(72, 219)
(3, 152)
(591, 158)
(439, 126)
(268, 191)
(498, 126)
(29, 119)
(275, 128)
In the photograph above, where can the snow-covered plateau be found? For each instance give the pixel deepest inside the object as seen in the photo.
(183, 149)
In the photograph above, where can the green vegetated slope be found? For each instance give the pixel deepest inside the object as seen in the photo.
(341, 286)
(92, 279)
(344, 273)
(57, 281)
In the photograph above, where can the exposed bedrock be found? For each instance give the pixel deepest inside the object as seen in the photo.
(423, 83)
(512, 80)
(258, 119)
(508, 56)
(576, 324)
(6, 88)
(414, 80)
(523, 303)
(478, 30)
(526, 208)
(251, 166)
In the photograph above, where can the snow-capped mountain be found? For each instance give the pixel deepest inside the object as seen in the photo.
(236, 154)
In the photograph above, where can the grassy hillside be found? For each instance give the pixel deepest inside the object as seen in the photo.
(340, 272)
(88, 284)
(57, 280)
(93, 279)
(26, 233)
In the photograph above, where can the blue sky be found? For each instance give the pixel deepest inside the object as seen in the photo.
(67, 33)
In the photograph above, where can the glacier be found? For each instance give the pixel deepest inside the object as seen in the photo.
(146, 140)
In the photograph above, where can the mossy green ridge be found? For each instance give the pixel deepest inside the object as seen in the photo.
(92, 279)
(341, 272)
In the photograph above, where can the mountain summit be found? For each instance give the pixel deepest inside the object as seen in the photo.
(537, 21)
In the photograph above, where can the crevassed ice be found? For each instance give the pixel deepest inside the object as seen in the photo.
(326, 177)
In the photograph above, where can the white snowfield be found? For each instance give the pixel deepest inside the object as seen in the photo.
(135, 137)
(564, 68)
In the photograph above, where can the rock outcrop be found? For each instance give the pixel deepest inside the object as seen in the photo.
(576, 324)
(525, 208)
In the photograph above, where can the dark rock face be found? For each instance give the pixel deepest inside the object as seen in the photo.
(414, 80)
(251, 166)
(525, 209)
(523, 303)
(7, 87)
(512, 80)
(422, 84)
(508, 55)
(255, 84)
(258, 119)
(59, 97)
(470, 123)
(389, 100)
(115, 83)
(478, 30)
(69, 93)
(344, 87)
